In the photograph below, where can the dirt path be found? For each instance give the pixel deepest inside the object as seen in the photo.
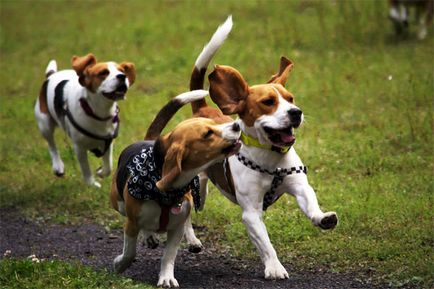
(94, 246)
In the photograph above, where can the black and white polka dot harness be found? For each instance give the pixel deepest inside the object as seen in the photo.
(278, 175)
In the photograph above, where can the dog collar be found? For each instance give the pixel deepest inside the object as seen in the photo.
(89, 111)
(251, 141)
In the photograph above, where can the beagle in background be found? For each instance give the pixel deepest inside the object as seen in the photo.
(267, 165)
(82, 101)
(156, 183)
(399, 11)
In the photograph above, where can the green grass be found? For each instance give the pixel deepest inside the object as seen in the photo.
(367, 96)
(18, 274)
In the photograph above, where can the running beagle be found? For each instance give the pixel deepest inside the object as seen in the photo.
(156, 183)
(267, 165)
(82, 101)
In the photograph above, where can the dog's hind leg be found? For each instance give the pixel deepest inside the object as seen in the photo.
(424, 23)
(194, 244)
(203, 179)
(151, 239)
(107, 163)
(47, 126)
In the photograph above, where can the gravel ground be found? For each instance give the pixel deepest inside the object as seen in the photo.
(92, 245)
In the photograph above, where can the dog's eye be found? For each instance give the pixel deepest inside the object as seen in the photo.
(103, 72)
(208, 134)
(268, 101)
(291, 99)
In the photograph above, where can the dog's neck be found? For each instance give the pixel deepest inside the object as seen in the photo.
(101, 106)
(264, 157)
(186, 176)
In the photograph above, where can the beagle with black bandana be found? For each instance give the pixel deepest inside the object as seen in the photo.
(82, 101)
(267, 165)
(155, 183)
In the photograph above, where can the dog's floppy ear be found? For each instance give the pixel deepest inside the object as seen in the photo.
(286, 66)
(130, 71)
(172, 166)
(228, 89)
(79, 64)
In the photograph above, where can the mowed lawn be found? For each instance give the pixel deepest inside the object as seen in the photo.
(367, 139)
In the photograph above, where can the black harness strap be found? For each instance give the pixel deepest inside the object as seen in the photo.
(106, 138)
(62, 110)
(278, 175)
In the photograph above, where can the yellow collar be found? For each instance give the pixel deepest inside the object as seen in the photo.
(251, 141)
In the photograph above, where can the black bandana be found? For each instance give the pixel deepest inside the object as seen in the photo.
(143, 178)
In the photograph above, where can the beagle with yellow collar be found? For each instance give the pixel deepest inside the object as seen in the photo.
(267, 165)
(82, 101)
(155, 183)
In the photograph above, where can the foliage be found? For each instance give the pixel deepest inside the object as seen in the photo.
(17, 274)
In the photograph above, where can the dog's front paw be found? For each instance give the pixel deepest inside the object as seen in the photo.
(96, 184)
(59, 169)
(167, 282)
(91, 182)
(195, 248)
(102, 173)
(194, 244)
(328, 221)
(275, 270)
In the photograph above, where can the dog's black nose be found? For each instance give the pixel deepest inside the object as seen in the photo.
(121, 77)
(236, 127)
(295, 115)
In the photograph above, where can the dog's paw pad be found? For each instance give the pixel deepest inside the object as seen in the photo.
(59, 173)
(328, 222)
(195, 249)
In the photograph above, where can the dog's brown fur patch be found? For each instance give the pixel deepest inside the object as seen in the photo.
(43, 107)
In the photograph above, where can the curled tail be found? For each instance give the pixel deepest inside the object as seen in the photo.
(204, 58)
(51, 68)
(167, 112)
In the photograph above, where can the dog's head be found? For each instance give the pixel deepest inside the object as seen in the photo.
(192, 146)
(110, 79)
(268, 108)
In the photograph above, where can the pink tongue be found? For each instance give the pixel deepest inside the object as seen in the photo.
(176, 209)
(286, 138)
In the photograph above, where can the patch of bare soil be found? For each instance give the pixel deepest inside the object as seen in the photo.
(92, 245)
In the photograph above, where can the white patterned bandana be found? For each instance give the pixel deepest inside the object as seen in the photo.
(143, 178)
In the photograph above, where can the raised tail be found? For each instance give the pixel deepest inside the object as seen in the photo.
(167, 112)
(198, 75)
(51, 68)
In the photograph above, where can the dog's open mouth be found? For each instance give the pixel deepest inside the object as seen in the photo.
(232, 149)
(118, 94)
(281, 137)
